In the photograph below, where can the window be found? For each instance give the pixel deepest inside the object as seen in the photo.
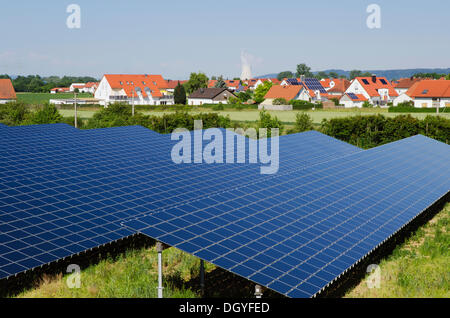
(383, 82)
(121, 83)
(365, 81)
(143, 83)
(425, 91)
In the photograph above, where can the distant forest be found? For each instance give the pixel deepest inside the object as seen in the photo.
(38, 84)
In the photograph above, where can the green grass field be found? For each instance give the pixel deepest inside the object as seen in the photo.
(285, 116)
(39, 98)
(417, 268)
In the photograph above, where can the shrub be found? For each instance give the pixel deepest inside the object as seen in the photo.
(48, 114)
(280, 101)
(372, 131)
(303, 122)
(367, 104)
(14, 113)
(301, 105)
(267, 121)
(218, 107)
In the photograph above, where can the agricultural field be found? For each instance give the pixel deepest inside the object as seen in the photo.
(39, 98)
(286, 117)
(417, 268)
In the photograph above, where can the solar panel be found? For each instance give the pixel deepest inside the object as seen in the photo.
(63, 191)
(365, 81)
(352, 96)
(314, 84)
(383, 81)
(297, 232)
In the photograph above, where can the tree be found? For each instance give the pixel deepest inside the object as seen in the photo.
(220, 83)
(47, 115)
(244, 96)
(358, 73)
(303, 122)
(303, 69)
(179, 94)
(321, 75)
(333, 75)
(196, 81)
(261, 91)
(213, 78)
(268, 122)
(285, 74)
(280, 101)
(366, 104)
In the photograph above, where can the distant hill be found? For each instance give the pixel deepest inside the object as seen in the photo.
(389, 74)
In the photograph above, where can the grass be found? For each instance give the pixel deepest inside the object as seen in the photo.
(133, 274)
(417, 269)
(39, 98)
(287, 117)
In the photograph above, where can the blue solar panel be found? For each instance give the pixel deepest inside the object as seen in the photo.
(352, 96)
(314, 84)
(297, 232)
(63, 191)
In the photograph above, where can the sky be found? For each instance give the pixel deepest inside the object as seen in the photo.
(177, 37)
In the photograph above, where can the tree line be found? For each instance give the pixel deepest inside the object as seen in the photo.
(38, 84)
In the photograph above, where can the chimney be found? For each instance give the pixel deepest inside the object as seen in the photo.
(374, 78)
(302, 78)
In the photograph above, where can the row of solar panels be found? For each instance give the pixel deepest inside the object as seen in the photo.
(63, 191)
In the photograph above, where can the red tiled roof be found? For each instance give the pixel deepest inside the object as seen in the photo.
(340, 85)
(430, 88)
(91, 84)
(372, 87)
(287, 92)
(171, 84)
(359, 98)
(233, 83)
(326, 82)
(406, 82)
(129, 82)
(6, 89)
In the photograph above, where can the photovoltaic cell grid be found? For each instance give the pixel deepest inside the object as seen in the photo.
(352, 96)
(314, 84)
(63, 191)
(298, 232)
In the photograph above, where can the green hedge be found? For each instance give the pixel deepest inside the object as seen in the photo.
(372, 131)
(403, 109)
(304, 105)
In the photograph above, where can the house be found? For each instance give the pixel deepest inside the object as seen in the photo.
(171, 84)
(378, 90)
(60, 90)
(337, 86)
(288, 92)
(142, 89)
(403, 85)
(210, 95)
(89, 87)
(7, 92)
(261, 81)
(350, 100)
(430, 93)
(74, 86)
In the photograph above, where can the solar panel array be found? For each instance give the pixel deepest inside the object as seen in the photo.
(314, 84)
(297, 232)
(352, 96)
(293, 81)
(63, 191)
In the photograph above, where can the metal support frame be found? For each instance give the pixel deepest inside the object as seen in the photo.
(76, 123)
(258, 291)
(159, 249)
(202, 277)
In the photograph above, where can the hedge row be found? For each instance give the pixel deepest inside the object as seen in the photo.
(403, 109)
(375, 130)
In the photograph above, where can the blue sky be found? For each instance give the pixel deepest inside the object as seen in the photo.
(177, 37)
